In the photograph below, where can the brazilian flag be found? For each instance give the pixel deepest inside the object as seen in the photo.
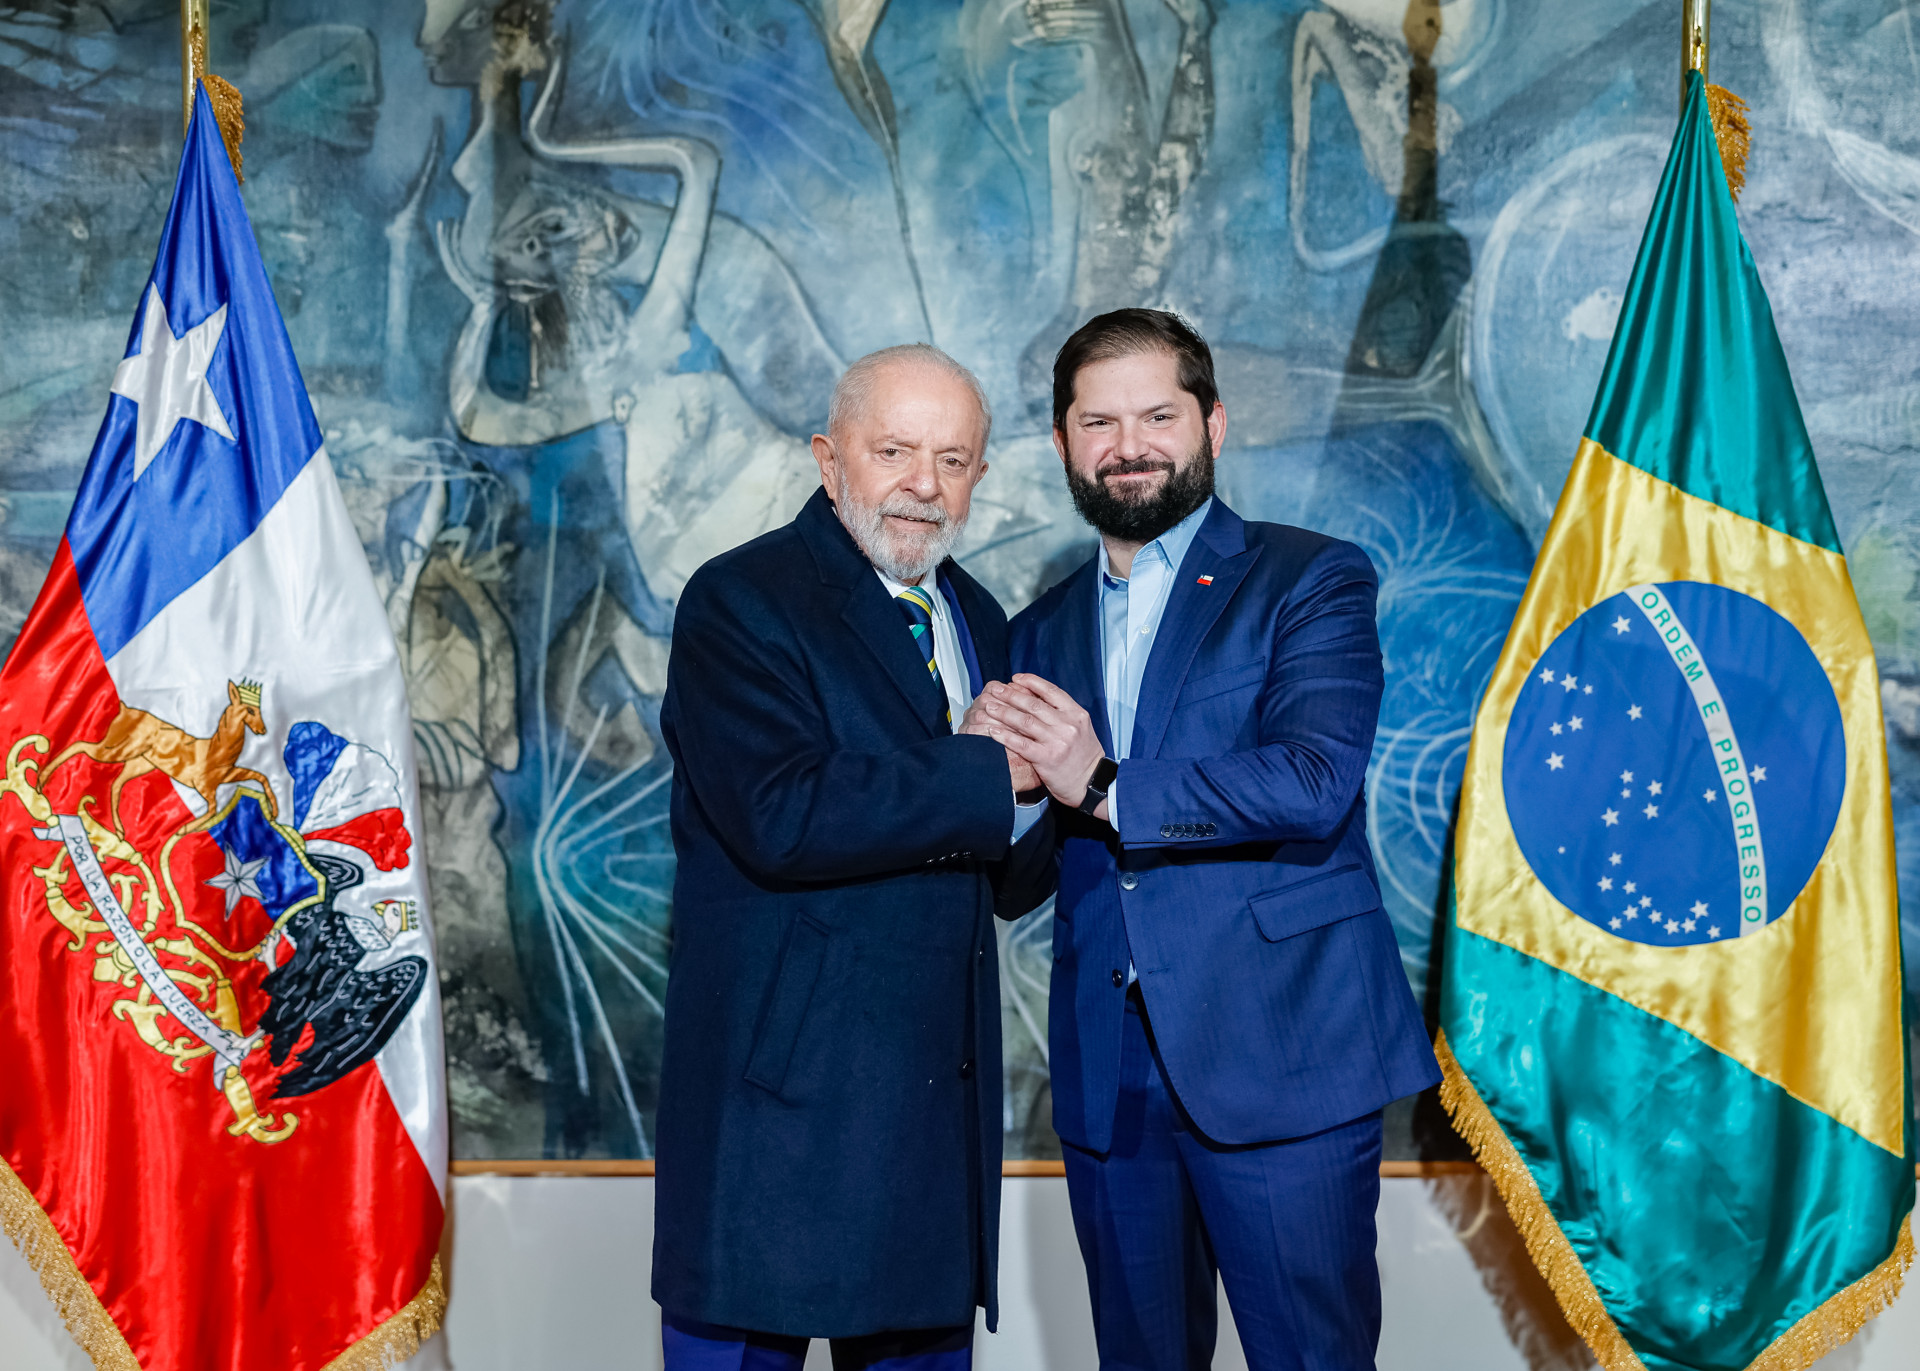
(1671, 1019)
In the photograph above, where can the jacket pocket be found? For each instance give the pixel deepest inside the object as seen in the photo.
(1314, 903)
(1220, 682)
(786, 1010)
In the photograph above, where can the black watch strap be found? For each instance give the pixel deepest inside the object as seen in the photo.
(1099, 784)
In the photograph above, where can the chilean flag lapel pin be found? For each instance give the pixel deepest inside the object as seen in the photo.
(1205, 581)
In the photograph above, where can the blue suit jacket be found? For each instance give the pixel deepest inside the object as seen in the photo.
(1241, 883)
(829, 1120)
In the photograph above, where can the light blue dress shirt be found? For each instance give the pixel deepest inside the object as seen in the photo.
(953, 676)
(1130, 610)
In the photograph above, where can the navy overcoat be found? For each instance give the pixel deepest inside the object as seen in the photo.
(829, 1124)
(1241, 884)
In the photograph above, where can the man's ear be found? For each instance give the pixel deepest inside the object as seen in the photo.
(825, 458)
(1217, 427)
(1060, 443)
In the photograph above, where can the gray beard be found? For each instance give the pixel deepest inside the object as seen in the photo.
(905, 559)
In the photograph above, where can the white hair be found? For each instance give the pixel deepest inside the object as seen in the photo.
(854, 390)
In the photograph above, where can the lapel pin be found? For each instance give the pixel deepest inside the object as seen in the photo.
(1205, 581)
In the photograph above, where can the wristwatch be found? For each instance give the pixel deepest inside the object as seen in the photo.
(1099, 784)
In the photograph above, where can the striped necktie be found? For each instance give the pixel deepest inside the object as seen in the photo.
(917, 605)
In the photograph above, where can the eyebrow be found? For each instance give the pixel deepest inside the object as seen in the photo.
(1153, 408)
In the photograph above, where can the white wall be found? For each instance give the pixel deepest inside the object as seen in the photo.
(551, 1275)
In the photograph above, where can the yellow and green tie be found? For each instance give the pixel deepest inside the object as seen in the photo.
(917, 605)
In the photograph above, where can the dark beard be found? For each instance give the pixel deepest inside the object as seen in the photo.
(1141, 521)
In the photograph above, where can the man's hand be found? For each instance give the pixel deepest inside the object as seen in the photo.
(975, 721)
(1035, 718)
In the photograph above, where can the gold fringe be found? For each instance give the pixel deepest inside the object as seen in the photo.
(24, 1221)
(1823, 1330)
(1732, 132)
(225, 100)
(1834, 1323)
(1546, 1244)
(400, 1336)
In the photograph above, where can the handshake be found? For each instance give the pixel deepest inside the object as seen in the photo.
(1050, 740)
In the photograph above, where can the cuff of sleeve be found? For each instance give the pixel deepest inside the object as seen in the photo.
(1113, 804)
(1025, 817)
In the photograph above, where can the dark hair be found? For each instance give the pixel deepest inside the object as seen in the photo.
(1124, 333)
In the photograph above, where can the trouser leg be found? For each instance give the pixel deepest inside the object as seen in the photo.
(919, 1349)
(1150, 1272)
(1292, 1225)
(692, 1346)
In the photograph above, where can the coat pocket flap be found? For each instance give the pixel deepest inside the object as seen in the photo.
(793, 984)
(1314, 903)
(1220, 682)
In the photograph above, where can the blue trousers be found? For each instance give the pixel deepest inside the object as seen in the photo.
(1288, 1226)
(691, 1346)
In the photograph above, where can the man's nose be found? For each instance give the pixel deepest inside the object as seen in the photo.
(921, 481)
(1132, 441)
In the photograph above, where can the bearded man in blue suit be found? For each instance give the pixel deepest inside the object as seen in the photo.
(1228, 1014)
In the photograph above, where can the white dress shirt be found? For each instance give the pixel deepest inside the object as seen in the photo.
(1130, 610)
(952, 663)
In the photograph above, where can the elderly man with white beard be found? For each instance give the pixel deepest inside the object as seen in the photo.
(829, 1115)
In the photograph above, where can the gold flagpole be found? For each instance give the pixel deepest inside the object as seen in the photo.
(194, 28)
(1727, 111)
(1696, 18)
(193, 54)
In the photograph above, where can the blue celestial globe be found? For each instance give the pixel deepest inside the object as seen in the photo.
(1674, 764)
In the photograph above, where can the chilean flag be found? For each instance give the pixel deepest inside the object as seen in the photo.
(222, 1099)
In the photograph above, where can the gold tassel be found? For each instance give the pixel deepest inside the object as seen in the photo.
(24, 1221)
(1823, 1330)
(225, 100)
(1733, 133)
(1546, 1244)
(400, 1336)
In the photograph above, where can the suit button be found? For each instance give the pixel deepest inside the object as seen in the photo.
(1119, 979)
(966, 1071)
(1208, 830)
(1128, 880)
(1166, 830)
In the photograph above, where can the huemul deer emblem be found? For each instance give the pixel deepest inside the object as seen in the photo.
(140, 743)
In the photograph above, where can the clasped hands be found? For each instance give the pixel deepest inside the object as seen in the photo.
(1050, 740)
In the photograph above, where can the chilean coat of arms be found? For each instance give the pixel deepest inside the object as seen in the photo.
(261, 932)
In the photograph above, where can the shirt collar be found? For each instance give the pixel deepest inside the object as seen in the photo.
(1172, 544)
(929, 583)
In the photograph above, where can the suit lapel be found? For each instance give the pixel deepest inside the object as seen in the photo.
(870, 612)
(1218, 552)
(1078, 648)
(986, 659)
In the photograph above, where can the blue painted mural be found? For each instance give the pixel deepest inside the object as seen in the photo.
(571, 279)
